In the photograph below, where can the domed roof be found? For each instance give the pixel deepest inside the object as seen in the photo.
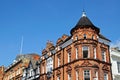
(84, 22)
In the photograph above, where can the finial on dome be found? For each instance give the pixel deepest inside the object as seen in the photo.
(83, 13)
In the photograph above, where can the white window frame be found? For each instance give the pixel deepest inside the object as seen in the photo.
(96, 75)
(103, 55)
(69, 56)
(59, 61)
(94, 52)
(77, 75)
(77, 52)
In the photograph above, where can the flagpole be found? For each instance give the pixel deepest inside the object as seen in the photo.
(21, 46)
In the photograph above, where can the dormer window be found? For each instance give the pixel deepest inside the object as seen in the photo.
(85, 36)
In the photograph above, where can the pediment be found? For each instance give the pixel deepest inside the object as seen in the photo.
(58, 72)
(86, 63)
(105, 67)
(76, 67)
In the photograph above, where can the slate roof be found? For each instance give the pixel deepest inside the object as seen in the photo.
(84, 22)
(28, 56)
(103, 37)
(34, 63)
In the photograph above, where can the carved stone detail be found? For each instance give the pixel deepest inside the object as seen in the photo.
(105, 68)
(86, 63)
(68, 69)
(76, 67)
(58, 72)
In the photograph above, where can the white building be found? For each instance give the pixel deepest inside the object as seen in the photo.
(115, 60)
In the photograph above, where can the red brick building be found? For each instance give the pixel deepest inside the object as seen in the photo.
(84, 55)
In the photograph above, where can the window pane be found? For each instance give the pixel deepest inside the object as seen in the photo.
(94, 53)
(69, 56)
(85, 36)
(85, 51)
(105, 76)
(59, 61)
(118, 65)
(85, 47)
(58, 78)
(69, 76)
(103, 56)
(86, 75)
(77, 75)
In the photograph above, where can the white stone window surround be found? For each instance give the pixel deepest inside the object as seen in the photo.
(103, 52)
(95, 52)
(69, 56)
(77, 75)
(77, 52)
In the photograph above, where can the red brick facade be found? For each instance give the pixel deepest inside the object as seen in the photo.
(84, 58)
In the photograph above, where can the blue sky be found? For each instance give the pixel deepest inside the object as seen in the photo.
(41, 20)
